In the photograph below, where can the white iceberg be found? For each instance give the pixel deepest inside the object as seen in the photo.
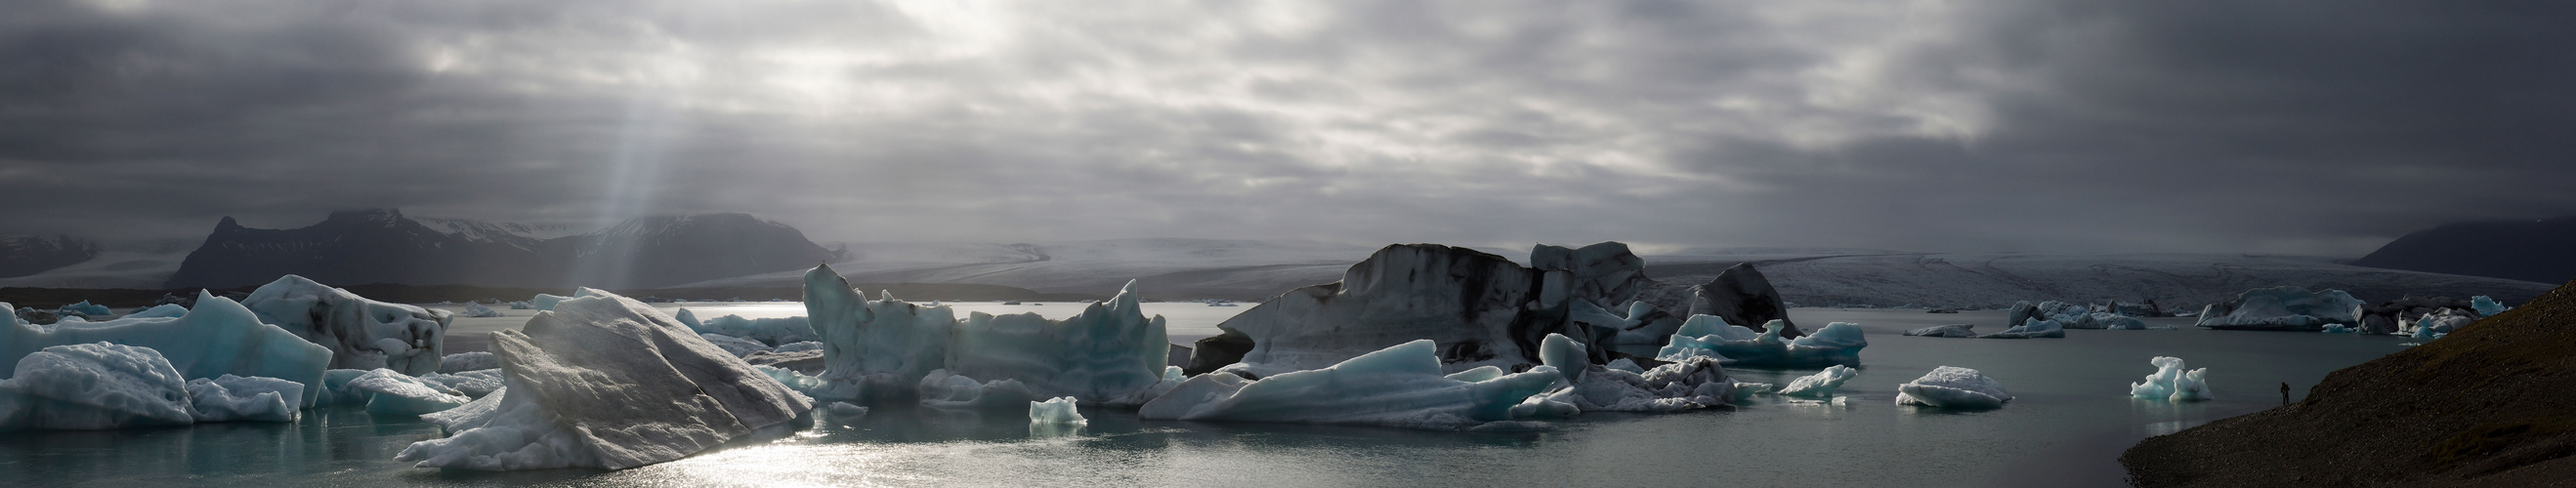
(1400, 386)
(942, 389)
(522, 305)
(477, 310)
(2283, 308)
(215, 338)
(393, 393)
(1821, 384)
(736, 346)
(1058, 410)
(1692, 383)
(2170, 383)
(1709, 336)
(547, 302)
(606, 381)
(468, 361)
(2033, 328)
(769, 331)
(362, 333)
(874, 350)
(845, 413)
(472, 384)
(230, 398)
(93, 386)
(1951, 330)
(798, 347)
(1954, 388)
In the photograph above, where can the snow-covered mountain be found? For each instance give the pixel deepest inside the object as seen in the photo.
(383, 246)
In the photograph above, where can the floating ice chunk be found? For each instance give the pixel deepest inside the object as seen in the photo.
(1058, 410)
(874, 349)
(166, 310)
(2113, 321)
(362, 333)
(1692, 383)
(546, 302)
(798, 346)
(846, 414)
(85, 308)
(1821, 384)
(941, 389)
(2440, 322)
(1482, 310)
(522, 305)
(1954, 388)
(736, 346)
(468, 361)
(2487, 306)
(475, 384)
(2171, 383)
(1110, 354)
(216, 337)
(231, 398)
(1836, 343)
(393, 393)
(335, 388)
(1951, 330)
(2034, 328)
(794, 380)
(2283, 308)
(606, 381)
(93, 386)
(2339, 329)
(477, 310)
(1400, 386)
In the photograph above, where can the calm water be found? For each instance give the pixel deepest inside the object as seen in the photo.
(2071, 418)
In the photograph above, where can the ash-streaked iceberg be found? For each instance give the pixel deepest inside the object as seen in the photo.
(873, 350)
(1478, 309)
(216, 337)
(362, 333)
(1610, 277)
(2171, 383)
(1400, 386)
(606, 381)
(1688, 384)
(1953, 387)
(1707, 335)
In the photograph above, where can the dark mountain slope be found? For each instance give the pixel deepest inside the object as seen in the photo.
(2528, 250)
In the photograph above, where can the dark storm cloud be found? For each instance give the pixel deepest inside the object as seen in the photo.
(2080, 126)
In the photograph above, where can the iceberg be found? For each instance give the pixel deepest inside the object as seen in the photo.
(1058, 410)
(522, 305)
(845, 413)
(1399, 386)
(2034, 328)
(798, 347)
(2072, 316)
(230, 398)
(1688, 384)
(477, 310)
(2170, 383)
(93, 386)
(84, 309)
(1479, 309)
(942, 389)
(770, 331)
(362, 333)
(157, 311)
(1951, 330)
(547, 302)
(736, 346)
(2487, 306)
(873, 350)
(468, 361)
(393, 393)
(2287, 308)
(606, 381)
(1821, 384)
(1110, 354)
(1953, 388)
(473, 384)
(217, 337)
(1710, 336)
(1607, 275)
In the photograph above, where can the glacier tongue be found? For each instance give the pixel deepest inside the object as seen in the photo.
(216, 337)
(362, 333)
(1399, 386)
(606, 381)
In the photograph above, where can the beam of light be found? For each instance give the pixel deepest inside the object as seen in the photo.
(633, 182)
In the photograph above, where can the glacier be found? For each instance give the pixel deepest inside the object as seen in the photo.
(362, 333)
(1058, 410)
(1710, 336)
(216, 337)
(1953, 388)
(2287, 308)
(873, 350)
(2171, 383)
(1398, 386)
(606, 381)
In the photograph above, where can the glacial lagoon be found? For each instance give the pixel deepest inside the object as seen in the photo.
(2069, 420)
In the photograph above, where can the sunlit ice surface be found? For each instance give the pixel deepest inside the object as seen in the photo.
(2071, 418)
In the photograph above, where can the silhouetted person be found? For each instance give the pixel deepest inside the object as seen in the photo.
(2285, 393)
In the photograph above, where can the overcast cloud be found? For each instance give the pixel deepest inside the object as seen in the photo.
(2323, 127)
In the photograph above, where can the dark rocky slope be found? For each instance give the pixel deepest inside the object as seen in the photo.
(383, 246)
(2491, 405)
(2528, 250)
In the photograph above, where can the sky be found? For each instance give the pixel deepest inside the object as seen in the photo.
(2286, 127)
